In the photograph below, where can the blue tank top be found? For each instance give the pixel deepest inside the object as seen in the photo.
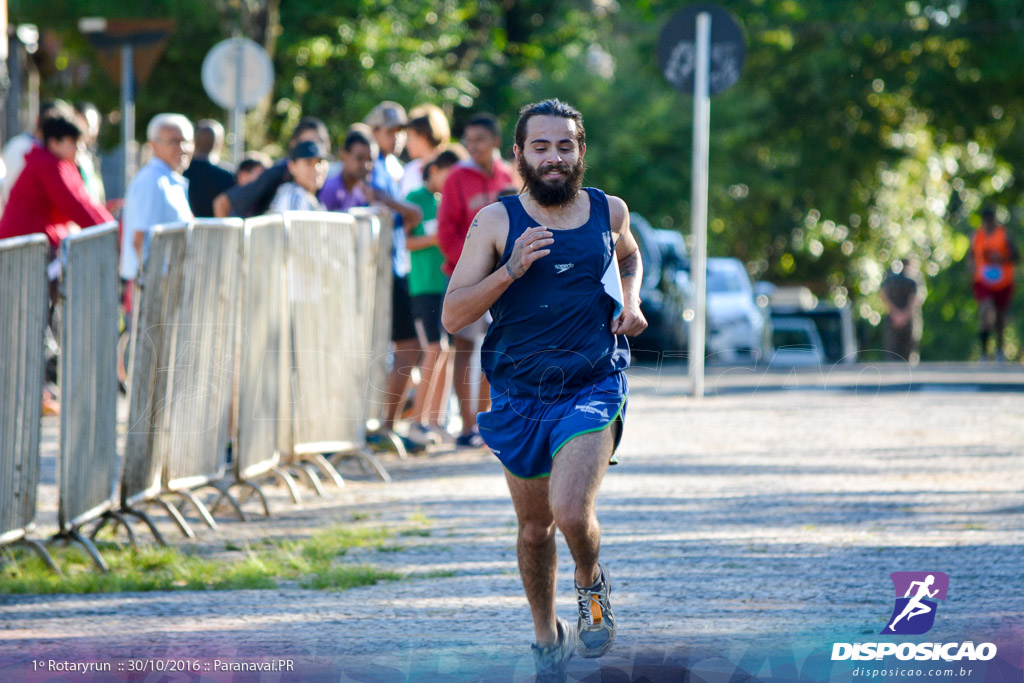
(551, 336)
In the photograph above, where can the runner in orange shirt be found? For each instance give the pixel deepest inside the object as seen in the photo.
(992, 259)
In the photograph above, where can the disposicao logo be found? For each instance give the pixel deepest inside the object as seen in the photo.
(916, 595)
(914, 614)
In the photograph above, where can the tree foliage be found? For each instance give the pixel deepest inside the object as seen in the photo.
(861, 131)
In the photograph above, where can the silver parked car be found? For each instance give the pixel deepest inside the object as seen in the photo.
(737, 328)
(797, 342)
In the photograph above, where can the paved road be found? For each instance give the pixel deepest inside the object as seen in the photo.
(753, 522)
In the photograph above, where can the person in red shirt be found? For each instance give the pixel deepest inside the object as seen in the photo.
(472, 185)
(49, 196)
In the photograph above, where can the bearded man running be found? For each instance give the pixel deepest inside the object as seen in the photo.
(560, 273)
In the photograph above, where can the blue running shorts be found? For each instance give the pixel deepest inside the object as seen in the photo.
(526, 434)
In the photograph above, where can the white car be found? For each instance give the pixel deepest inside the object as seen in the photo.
(736, 326)
(797, 342)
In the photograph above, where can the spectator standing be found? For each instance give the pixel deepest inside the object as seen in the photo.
(307, 165)
(207, 177)
(387, 121)
(992, 258)
(19, 146)
(472, 185)
(89, 119)
(49, 196)
(158, 193)
(353, 187)
(253, 199)
(349, 188)
(426, 287)
(427, 133)
(903, 296)
(252, 166)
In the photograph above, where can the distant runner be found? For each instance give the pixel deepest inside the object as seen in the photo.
(992, 258)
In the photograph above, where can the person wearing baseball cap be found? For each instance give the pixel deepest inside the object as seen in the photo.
(307, 165)
(388, 121)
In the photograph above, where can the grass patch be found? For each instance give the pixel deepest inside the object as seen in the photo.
(342, 577)
(439, 574)
(423, 533)
(311, 563)
(419, 518)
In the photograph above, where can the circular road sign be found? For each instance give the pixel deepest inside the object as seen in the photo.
(220, 73)
(677, 49)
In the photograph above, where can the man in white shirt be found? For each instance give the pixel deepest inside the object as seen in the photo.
(158, 193)
(307, 164)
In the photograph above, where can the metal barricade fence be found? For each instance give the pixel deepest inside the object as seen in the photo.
(24, 304)
(183, 364)
(262, 359)
(88, 464)
(380, 316)
(368, 231)
(199, 398)
(328, 345)
(157, 298)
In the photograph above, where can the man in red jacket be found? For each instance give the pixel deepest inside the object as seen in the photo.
(472, 185)
(49, 196)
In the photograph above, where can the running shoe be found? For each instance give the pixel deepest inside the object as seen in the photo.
(381, 443)
(419, 434)
(551, 660)
(469, 440)
(595, 630)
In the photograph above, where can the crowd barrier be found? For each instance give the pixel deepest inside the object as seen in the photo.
(199, 401)
(328, 343)
(157, 297)
(87, 463)
(262, 361)
(270, 336)
(381, 282)
(24, 304)
(183, 366)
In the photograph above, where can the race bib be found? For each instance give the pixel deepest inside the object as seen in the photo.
(992, 274)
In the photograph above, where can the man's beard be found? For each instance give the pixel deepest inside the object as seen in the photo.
(560, 193)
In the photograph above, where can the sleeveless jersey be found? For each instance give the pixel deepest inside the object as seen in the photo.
(551, 335)
(986, 246)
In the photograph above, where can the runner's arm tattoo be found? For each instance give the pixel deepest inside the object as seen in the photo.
(476, 222)
(628, 265)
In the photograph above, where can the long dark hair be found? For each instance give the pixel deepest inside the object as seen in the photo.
(549, 108)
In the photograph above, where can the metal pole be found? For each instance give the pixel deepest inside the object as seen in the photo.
(238, 113)
(128, 112)
(699, 199)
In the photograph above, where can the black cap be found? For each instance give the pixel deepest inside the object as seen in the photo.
(308, 149)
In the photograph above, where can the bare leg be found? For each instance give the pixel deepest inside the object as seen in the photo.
(576, 475)
(483, 403)
(428, 362)
(538, 557)
(442, 387)
(1000, 325)
(463, 383)
(407, 352)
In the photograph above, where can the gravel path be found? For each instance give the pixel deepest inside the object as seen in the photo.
(752, 522)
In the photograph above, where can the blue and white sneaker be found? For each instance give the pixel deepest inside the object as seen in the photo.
(551, 660)
(595, 629)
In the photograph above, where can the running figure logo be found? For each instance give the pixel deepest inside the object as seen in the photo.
(916, 592)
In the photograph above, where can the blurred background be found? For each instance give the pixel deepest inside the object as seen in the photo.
(861, 132)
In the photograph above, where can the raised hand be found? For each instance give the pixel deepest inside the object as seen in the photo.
(528, 248)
